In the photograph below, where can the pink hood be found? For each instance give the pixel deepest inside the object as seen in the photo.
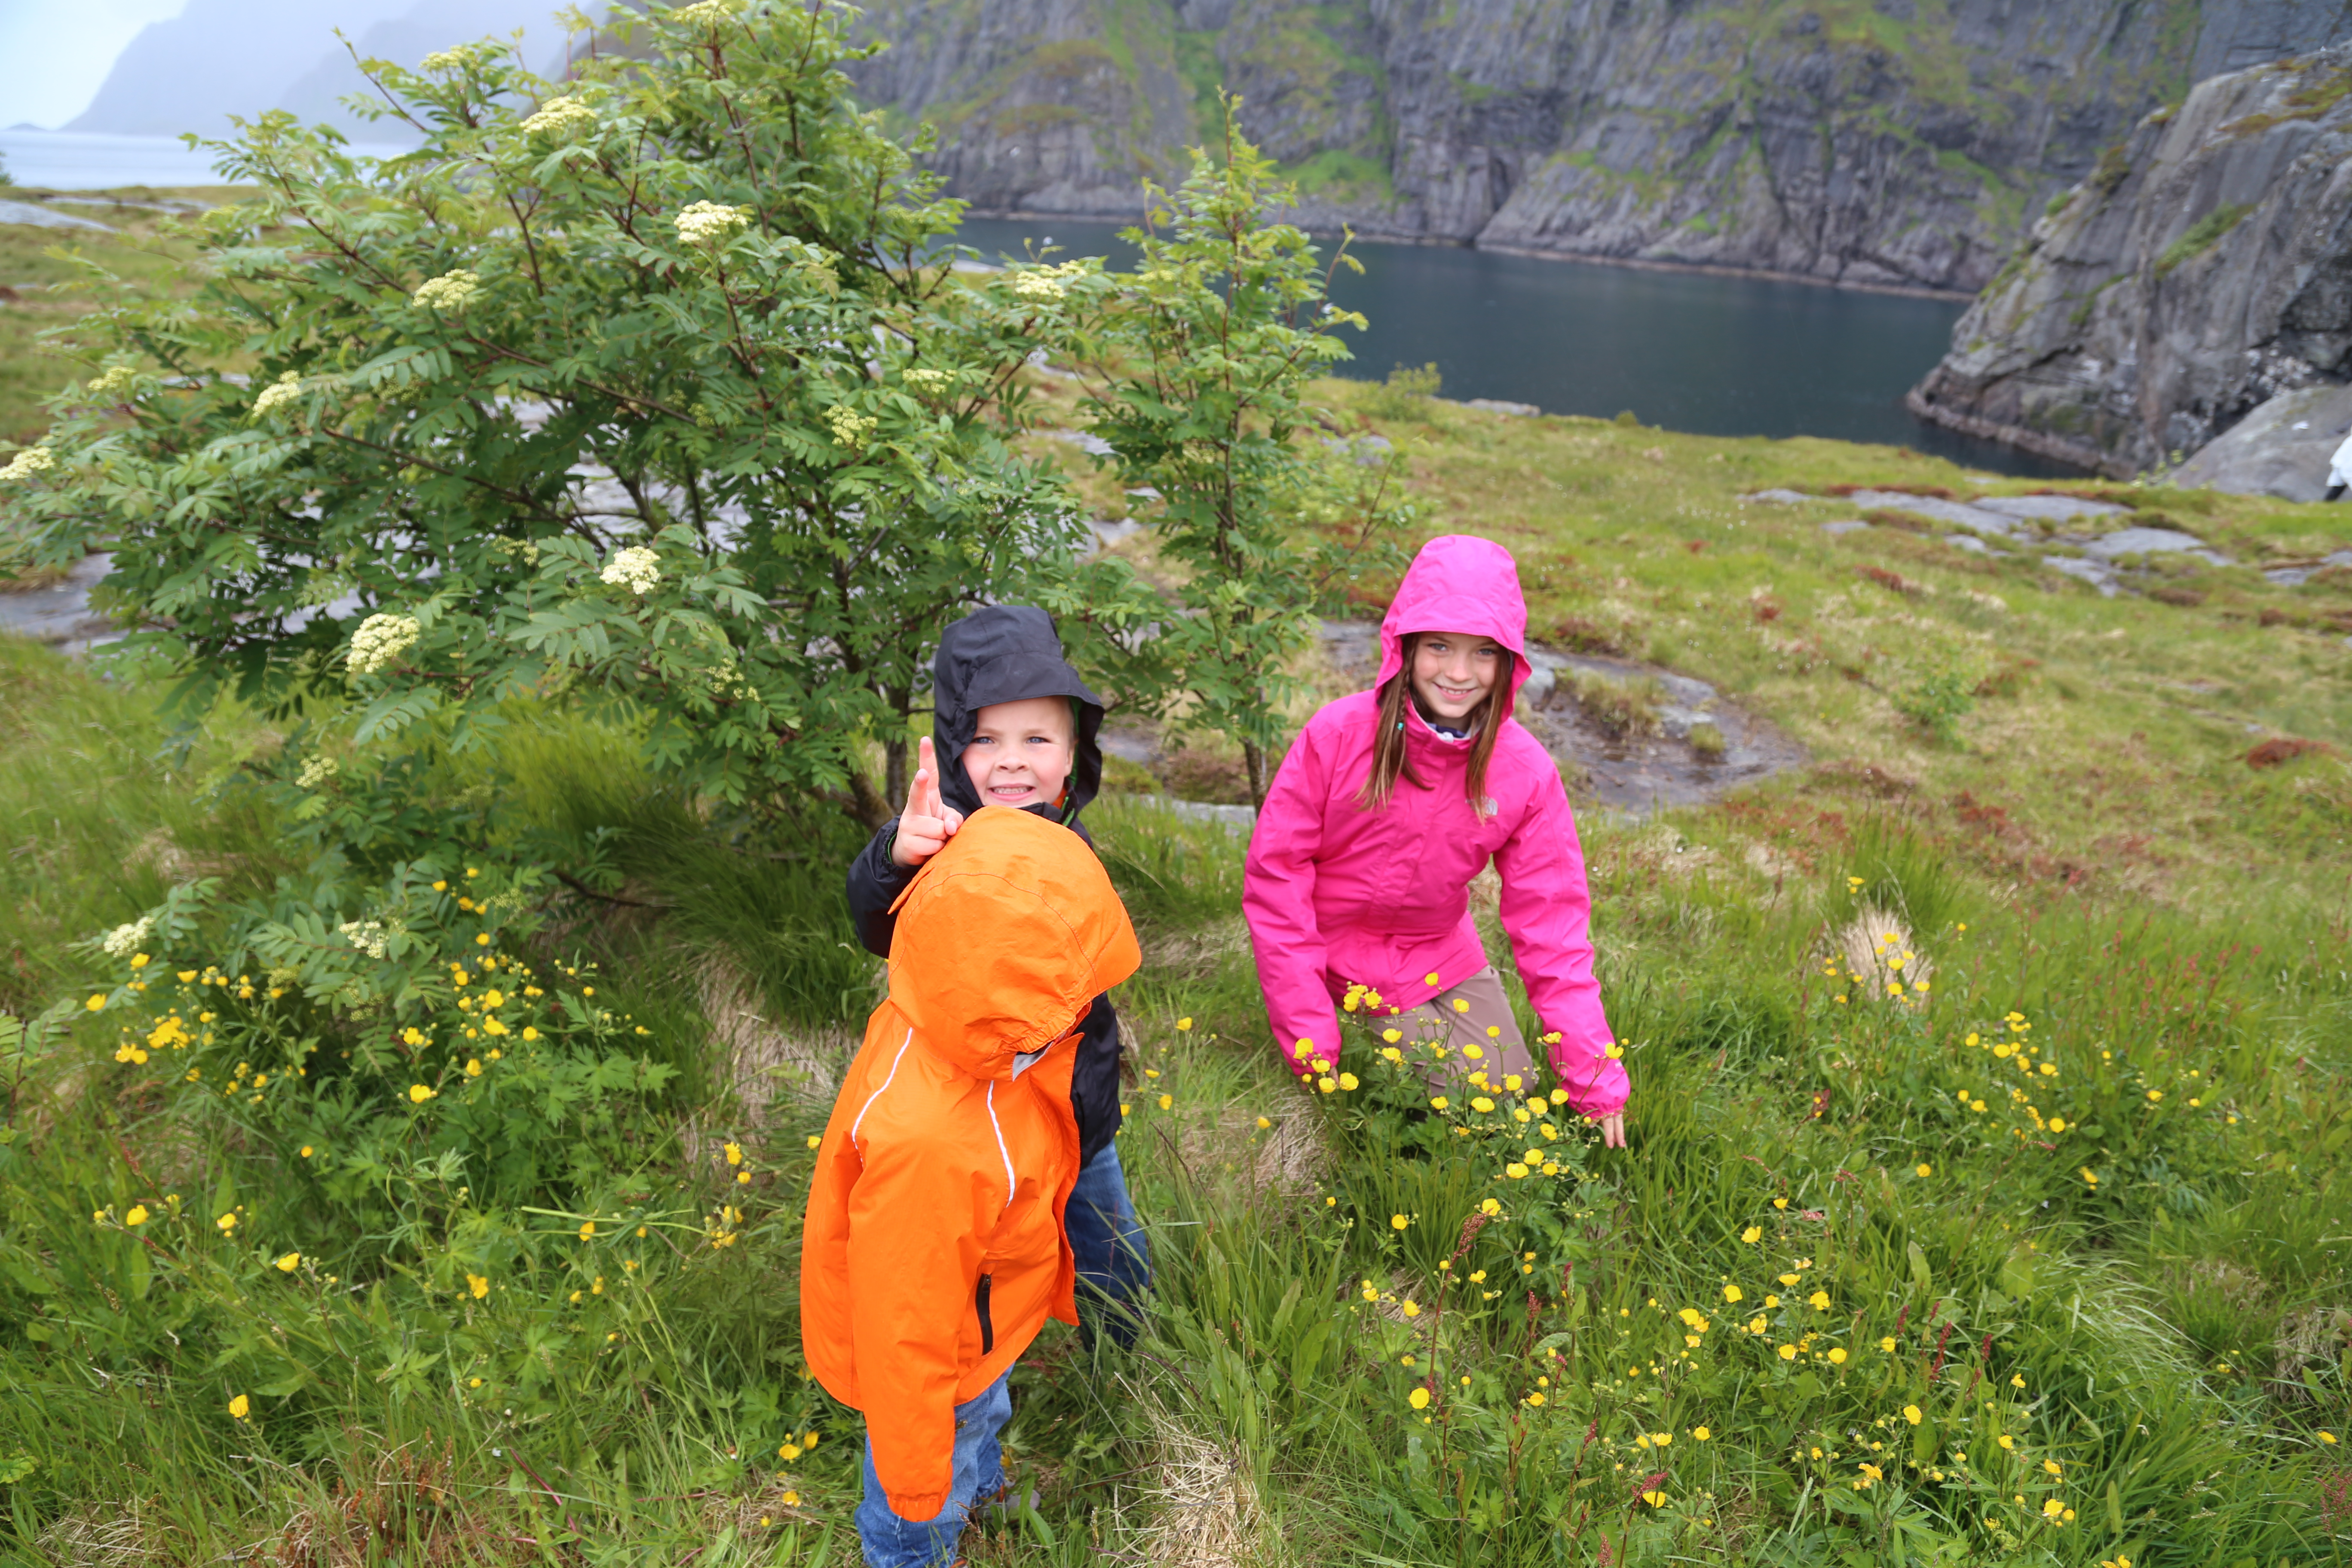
(1458, 583)
(1337, 894)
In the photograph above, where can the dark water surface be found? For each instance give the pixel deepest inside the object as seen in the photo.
(1695, 351)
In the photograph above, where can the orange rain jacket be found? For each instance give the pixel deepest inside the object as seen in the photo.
(933, 1251)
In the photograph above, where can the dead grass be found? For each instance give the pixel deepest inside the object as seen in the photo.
(1285, 1159)
(1201, 1499)
(757, 1062)
(1878, 947)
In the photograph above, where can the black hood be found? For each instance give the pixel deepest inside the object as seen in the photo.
(1007, 653)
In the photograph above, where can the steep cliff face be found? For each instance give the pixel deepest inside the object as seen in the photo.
(2202, 270)
(1881, 141)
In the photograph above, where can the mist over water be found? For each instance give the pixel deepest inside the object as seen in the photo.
(1712, 355)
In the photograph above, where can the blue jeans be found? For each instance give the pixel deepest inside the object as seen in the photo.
(978, 1475)
(1114, 1259)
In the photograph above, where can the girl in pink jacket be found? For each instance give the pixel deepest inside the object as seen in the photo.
(1387, 804)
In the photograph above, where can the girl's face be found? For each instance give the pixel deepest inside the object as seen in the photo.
(1452, 672)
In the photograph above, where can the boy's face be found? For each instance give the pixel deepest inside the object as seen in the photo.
(1020, 752)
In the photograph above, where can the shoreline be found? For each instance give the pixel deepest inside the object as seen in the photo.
(2056, 448)
(1633, 263)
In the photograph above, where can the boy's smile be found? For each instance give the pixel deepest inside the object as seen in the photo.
(1020, 752)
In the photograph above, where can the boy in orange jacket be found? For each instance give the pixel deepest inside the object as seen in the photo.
(934, 1249)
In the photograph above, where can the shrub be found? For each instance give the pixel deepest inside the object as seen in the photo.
(1404, 395)
(1936, 703)
(643, 388)
(1225, 325)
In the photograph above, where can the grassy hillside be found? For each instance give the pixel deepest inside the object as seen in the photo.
(41, 268)
(2041, 1261)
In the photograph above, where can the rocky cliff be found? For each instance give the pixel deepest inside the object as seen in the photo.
(2204, 269)
(1904, 143)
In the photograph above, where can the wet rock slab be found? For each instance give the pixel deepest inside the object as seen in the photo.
(1635, 774)
(60, 614)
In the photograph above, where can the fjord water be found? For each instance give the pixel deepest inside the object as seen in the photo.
(1711, 354)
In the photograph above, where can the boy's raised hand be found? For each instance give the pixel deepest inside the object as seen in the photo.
(927, 822)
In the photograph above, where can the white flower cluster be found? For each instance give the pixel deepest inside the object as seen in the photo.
(118, 378)
(636, 568)
(526, 548)
(381, 641)
(368, 936)
(707, 13)
(465, 56)
(850, 429)
(707, 223)
(560, 117)
(125, 939)
(451, 291)
(317, 771)
(287, 388)
(726, 683)
(28, 462)
(1047, 283)
(927, 378)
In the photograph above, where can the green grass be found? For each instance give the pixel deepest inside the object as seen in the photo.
(2085, 846)
(45, 267)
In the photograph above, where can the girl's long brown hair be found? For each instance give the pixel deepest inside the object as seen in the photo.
(1390, 760)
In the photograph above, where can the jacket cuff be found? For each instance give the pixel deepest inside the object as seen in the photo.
(915, 1508)
(1603, 1092)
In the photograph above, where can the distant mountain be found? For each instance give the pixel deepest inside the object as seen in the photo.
(221, 58)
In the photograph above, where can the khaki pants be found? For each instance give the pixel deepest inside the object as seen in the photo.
(1471, 1017)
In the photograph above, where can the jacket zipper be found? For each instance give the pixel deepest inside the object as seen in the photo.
(987, 1328)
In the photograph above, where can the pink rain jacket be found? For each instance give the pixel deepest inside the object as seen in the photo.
(1337, 894)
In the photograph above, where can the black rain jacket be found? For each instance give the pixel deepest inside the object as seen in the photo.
(1004, 653)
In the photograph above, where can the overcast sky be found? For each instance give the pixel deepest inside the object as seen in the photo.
(56, 52)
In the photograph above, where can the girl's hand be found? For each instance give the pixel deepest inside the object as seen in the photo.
(1612, 1129)
(927, 823)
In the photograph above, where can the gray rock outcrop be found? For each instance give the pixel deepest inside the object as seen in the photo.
(1889, 144)
(2281, 449)
(2204, 270)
